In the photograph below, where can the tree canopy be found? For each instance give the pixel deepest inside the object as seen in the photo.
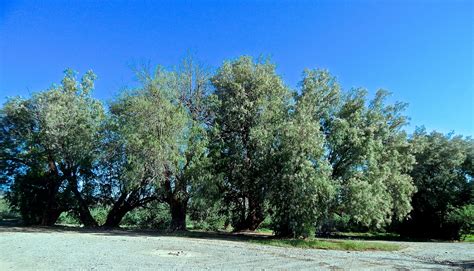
(237, 147)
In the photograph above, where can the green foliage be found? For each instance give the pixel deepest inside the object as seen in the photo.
(145, 125)
(266, 223)
(237, 148)
(156, 147)
(463, 218)
(206, 215)
(306, 173)
(302, 190)
(143, 129)
(251, 106)
(468, 238)
(213, 222)
(369, 157)
(49, 144)
(443, 177)
(68, 218)
(334, 222)
(154, 216)
(5, 210)
(100, 213)
(29, 196)
(158, 140)
(369, 235)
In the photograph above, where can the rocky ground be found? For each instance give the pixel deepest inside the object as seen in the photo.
(60, 249)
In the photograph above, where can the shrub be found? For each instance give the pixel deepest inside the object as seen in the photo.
(204, 215)
(461, 221)
(6, 212)
(154, 216)
(68, 218)
(100, 214)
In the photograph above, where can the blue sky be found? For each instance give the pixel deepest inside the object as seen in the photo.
(421, 51)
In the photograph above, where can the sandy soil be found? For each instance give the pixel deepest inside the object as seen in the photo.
(59, 249)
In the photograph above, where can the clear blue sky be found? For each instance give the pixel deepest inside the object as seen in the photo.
(421, 51)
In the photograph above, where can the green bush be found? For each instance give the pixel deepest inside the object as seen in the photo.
(71, 218)
(339, 223)
(154, 216)
(6, 212)
(204, 215)
(212, 222)
(267, 223)
(100, 214)
(68, 218)
(461, 221)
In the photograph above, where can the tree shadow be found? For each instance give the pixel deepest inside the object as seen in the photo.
(18, 227)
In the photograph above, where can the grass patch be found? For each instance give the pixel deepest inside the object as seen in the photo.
(264, 230)
(369, 235)
(385, 236)
(468, 238)
(328, 244)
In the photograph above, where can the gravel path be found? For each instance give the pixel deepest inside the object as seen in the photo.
(49, 249)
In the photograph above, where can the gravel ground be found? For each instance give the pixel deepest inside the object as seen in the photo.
(53, 249)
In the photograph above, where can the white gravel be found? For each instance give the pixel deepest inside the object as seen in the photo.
(50, 249)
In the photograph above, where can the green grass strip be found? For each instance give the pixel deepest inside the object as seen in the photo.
(329, 244)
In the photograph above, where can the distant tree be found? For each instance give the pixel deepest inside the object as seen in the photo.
(50, 145)
(443, 175)
(251, 105)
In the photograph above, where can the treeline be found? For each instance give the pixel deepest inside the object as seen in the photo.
(236, 147)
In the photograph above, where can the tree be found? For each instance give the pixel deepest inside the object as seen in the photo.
(374, 169)
(52, 141)
(191, 85)
(366, 148)
(251, 103)
(158, 142)
(143, 134)
(24, 168)
(303, 189)
(443, 177)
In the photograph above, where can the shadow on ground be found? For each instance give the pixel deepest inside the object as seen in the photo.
(15, 226)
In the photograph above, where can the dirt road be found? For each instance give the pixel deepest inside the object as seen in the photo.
(50, 249)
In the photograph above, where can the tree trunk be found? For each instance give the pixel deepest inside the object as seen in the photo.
(178, 214)
(51, 209)
(50, 216)
(177, 199)
(115, 216)
(84, 213)
(118, 211)
(254, 217)
(254, 220)
(284, 231)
